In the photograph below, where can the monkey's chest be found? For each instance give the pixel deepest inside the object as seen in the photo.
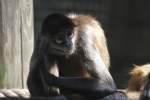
(72, 71)
(72, 67)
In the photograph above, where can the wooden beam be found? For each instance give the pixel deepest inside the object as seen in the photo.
(16, 42)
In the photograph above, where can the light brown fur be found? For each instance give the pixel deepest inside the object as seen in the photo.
(83, 21)
(139, 75)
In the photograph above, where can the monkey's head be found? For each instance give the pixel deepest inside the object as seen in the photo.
(139, 76)
(59, 35)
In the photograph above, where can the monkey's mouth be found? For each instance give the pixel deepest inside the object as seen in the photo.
(60, 50)
(63, 51)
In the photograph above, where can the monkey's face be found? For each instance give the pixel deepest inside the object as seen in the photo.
(59, 32)
(61, 43)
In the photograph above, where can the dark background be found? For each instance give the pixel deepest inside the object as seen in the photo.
(126, 24)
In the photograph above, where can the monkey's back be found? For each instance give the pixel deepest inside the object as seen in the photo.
(91, 33)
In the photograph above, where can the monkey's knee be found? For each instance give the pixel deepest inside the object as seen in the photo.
(118, 95)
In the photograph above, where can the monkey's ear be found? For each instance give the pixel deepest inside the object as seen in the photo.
(136, 71)
(136, 65)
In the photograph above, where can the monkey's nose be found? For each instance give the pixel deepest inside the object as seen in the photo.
(68, 45)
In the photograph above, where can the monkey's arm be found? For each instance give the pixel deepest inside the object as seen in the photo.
(35, 82)
(87, 86)
(100, 84)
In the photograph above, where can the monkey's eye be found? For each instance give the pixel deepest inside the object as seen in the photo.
(70, 34)
(58, 41)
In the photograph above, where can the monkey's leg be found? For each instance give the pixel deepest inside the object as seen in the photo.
(100, 84)
(85, 86)
(116, 96)
(89, 87)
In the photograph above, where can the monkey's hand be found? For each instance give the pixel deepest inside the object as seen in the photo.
(47, 77)
(146, 92)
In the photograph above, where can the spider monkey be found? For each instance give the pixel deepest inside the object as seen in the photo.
(71, 59)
